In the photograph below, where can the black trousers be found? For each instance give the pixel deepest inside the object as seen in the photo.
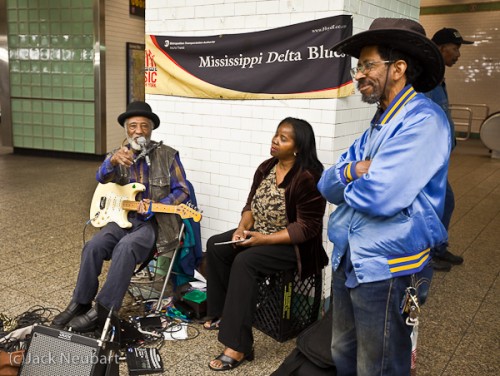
(232, 285)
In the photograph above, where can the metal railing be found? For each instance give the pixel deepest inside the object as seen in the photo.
(466, 114)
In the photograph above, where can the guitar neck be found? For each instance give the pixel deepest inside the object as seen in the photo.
(156, 208)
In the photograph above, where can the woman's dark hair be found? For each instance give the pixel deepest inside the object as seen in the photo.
(413, 69)
(306, 158)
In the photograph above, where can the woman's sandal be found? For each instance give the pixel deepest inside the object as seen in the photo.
(212, 324)
(229, 363)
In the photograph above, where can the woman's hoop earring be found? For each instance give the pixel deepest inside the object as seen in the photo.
(294, 153)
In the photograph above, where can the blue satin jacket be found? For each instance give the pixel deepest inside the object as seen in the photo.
(390, 217)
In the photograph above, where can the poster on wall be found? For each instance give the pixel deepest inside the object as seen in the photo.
(135, 72)
(283, 63)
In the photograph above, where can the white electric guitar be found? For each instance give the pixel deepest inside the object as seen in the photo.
(112, 202)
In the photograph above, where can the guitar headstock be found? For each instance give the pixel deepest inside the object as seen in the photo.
(188, 211)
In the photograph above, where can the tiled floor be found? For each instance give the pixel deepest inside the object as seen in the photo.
(45, 204)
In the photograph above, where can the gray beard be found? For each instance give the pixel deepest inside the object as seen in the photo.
(370, 99)
(134, 145)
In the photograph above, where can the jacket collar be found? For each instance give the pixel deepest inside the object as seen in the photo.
(403, 97)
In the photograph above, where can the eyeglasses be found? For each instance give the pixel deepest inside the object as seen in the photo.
(366, 67)
(145, 127)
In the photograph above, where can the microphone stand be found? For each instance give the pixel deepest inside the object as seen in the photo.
(146, 150)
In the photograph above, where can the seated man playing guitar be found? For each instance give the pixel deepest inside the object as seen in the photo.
(158, 169)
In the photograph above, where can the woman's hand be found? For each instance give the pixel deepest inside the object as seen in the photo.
(252, 239)
(238, 234)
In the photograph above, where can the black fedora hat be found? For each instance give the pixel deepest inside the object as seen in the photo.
(139, 108)
(406, 36)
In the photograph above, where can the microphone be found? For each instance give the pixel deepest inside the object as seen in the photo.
(145, 150)
(141, 141)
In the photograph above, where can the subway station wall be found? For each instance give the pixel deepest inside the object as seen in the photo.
(475, 78)
(51, 67)
(67, 73)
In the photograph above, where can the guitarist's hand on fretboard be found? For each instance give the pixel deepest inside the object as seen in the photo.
(144, 206)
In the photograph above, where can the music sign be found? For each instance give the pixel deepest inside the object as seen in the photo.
(288, 62)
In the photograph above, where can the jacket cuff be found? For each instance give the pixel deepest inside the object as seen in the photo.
(348, 173)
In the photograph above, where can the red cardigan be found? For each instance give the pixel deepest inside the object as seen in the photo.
(305, 208)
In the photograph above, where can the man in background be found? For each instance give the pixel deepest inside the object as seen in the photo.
(449, 42)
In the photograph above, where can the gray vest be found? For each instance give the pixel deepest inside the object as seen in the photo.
(159, 187)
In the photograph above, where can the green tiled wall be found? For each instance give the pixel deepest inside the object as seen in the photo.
(52, 74)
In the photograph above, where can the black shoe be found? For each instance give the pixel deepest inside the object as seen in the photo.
(450, 258)
(72, 310)
(440, 265)
(84, 323)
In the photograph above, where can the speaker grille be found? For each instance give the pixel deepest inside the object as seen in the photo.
(49, 355)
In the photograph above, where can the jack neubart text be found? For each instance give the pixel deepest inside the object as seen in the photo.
(242, 61)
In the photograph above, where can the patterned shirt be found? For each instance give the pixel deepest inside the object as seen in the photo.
(268, 206)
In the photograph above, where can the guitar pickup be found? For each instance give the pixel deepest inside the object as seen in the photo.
(102, 202)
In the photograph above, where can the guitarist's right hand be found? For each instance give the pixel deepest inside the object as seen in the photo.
(122, 156)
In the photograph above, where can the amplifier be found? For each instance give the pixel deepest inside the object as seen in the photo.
(60, 353)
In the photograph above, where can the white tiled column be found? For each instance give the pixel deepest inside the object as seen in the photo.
(221, 142)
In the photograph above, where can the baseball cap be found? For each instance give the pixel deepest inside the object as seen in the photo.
(448, 35)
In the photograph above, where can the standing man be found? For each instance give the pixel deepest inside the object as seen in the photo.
(449, 42)
(159, 168)
(389, 190)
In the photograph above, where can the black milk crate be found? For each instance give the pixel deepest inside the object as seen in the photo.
(286, 305)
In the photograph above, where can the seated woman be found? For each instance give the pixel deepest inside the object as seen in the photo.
(280, 229)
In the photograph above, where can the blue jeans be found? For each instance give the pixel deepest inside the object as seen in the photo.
(369, 334)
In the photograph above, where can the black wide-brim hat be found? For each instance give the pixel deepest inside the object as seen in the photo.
(406, 36)
(139, 108)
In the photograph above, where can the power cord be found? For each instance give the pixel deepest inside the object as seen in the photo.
(36, 315)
